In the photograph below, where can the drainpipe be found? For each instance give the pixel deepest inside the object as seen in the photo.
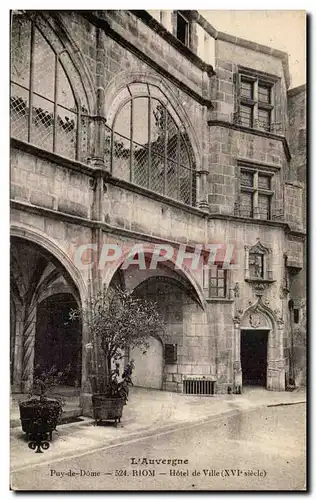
(291, 352)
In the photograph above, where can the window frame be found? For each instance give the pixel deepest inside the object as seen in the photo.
(179, 13)
(254, 103)
(256, 191)
(182, 141)
(225, 286)
(80, 112)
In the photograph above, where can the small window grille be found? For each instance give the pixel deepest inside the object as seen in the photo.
(200, 387)
(170, 353)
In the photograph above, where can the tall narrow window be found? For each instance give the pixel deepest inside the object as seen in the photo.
(254, 100)
(183, 27)
(255, 195)
(217, 282)
(44, 109)
(150, 149)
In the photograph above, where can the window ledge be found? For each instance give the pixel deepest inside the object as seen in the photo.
(219, 300)
(130, 186)
(259, 280)
(75, 165)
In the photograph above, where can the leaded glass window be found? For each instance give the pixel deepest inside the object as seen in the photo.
(254, 100)
(264, 206)
(217, 282)
(255, 194)
(264, 119)
(246, 115)
(44, 109)
(264, 181)
(151, 150)
(264, 93)
(246, 178)
(246, 204)
(247, 89)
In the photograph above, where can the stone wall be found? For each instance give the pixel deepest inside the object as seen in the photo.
(46, 184)
(231, 54)
(297, 131)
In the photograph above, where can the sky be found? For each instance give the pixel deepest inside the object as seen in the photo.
(281, 29)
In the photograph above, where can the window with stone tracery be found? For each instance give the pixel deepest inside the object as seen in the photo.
(150, 148)
(45, 108)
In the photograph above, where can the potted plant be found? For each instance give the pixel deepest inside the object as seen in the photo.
(40, 414)
(117, 321)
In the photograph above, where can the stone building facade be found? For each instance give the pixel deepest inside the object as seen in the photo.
(153, 128)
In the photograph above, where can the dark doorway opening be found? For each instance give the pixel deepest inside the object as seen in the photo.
(253, 353)
(58, 339)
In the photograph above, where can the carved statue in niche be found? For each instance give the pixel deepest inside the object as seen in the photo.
(256, 269)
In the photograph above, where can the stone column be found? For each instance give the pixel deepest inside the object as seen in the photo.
(202, 202)
(18, 351)
(28, 347)
(237, 362)
(246, 268)
(269, 265)
(87, 371)
(276, 365)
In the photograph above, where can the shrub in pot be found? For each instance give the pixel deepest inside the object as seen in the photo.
(40, 414)
(117, 321)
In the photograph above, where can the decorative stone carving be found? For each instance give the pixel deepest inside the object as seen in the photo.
(284, 290)
(279, 317)
(259, 286)
(258, 265)
(254, 320)
(92, 183)
(238, 314)
(236, 290)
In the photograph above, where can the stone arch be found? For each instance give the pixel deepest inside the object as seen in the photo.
(24, 373)
(260, 306)
(24, 232)
(171, 281)
(57, 23)
(148, 252)
(55, 31)
(61, 288)
(113, 101)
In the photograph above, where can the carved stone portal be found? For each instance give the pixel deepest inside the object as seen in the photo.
(261, 316)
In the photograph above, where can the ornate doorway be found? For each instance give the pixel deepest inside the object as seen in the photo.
(248, 348)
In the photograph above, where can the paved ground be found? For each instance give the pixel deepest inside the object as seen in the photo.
(146, 413)
(260, 449)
